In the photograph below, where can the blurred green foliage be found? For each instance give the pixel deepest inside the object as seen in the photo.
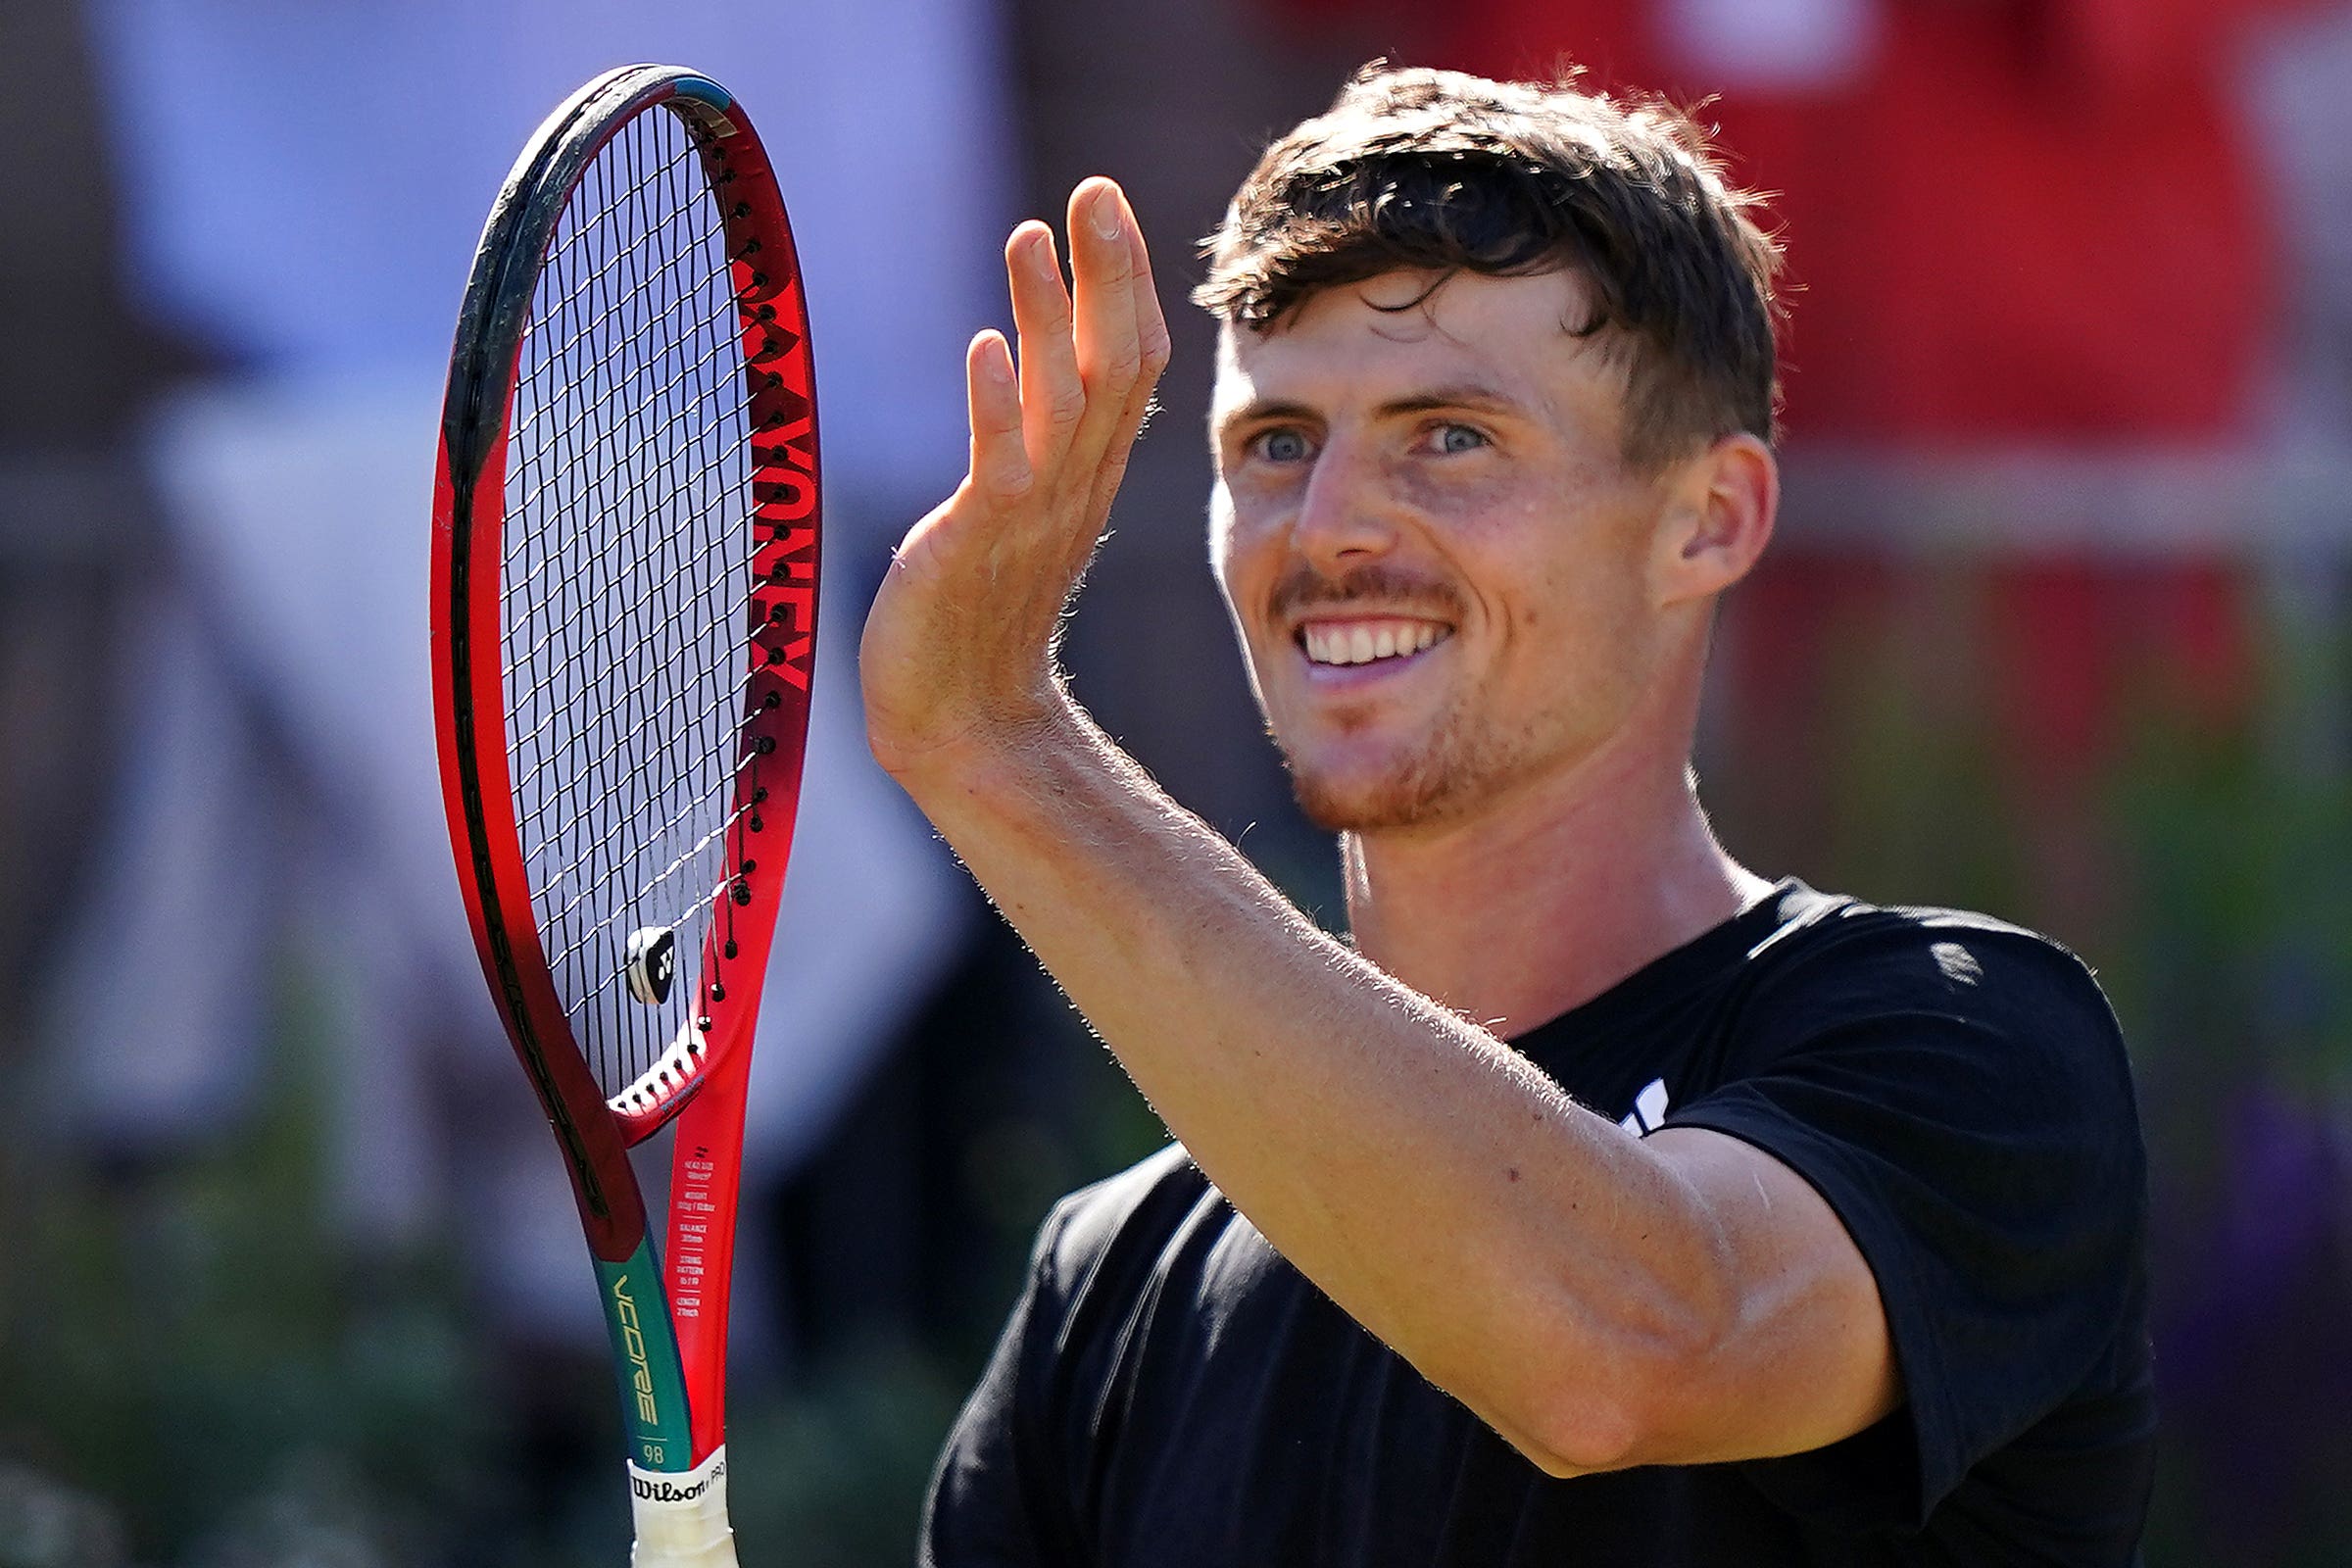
(187, 1338)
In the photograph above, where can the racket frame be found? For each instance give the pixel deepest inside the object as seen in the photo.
(668, 1326)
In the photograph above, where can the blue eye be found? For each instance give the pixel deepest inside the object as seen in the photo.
(1459, 438)
(1282, 446)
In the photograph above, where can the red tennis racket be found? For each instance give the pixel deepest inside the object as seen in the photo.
(623, 621)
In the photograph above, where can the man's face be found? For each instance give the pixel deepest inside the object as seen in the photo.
(1434, 552)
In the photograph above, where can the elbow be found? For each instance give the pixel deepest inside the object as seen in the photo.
(1586, 1431)
(1635, 1403)
(1578, 1442)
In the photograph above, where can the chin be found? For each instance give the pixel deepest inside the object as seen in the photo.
(1442, 774)
(1410, 796)
(1361, 784)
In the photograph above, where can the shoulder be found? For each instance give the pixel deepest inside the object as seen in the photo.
(1011, 1484)
(1927, 1036)
(1931, 1059)
(1119, 1226)
(1816, 932)
(1108, 1259)
(1831, 962)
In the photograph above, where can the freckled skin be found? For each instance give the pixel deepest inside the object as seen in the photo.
(1339, 450)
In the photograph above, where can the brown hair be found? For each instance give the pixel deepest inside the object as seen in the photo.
(1441, 171)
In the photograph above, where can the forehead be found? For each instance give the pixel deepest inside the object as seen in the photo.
(1404, 332)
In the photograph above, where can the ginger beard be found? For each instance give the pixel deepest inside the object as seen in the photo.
(1430, 782)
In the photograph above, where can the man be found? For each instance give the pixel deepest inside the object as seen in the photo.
(1842, 1264)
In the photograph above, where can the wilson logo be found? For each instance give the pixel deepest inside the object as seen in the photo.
(632, 1344)
(660, 1489)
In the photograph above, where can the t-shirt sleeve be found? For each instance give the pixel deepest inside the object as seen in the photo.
(985, 1494)
(1958, 1093)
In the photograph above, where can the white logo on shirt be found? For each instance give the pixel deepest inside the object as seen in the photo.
(1650, 1109)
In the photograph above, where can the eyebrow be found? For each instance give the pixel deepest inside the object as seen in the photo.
(1473, 395)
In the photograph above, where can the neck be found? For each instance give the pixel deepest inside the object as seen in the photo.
(1541, 901)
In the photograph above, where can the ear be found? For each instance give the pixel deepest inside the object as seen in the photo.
(1718, 519)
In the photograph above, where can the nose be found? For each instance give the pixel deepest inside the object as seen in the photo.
(1343, 522)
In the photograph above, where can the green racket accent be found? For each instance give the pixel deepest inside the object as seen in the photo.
(645, 1350)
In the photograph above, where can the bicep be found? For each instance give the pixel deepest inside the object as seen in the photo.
(1805, 1358)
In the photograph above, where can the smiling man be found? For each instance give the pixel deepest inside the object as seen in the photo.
(1603, 1202)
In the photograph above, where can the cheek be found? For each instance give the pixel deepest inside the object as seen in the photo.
(1582, 615)
(1226, 548)
(1602, 633)
(1473, 497)
(1239, 560)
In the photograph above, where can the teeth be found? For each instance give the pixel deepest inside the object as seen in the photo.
(1358, 644)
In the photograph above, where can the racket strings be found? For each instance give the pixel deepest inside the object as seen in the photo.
(604, 881)
(628, 579)
(742, 450)
(581, 337)
(654, 592)
(651, 590)
(717, 351)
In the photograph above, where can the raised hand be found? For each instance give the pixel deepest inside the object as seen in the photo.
(959, 646)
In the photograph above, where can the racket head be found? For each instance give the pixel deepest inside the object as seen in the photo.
(625, 551)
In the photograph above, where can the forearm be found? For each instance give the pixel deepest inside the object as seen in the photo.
(1522, 1253)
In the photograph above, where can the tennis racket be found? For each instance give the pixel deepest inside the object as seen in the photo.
(625, 613)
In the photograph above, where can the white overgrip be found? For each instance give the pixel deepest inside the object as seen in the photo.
(682, 1516)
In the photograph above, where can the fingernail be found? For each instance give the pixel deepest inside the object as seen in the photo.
(1106, 212)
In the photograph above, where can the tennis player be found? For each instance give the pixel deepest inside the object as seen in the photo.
(1602, 1201)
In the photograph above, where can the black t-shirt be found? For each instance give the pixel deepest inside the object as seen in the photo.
(1171, 1394)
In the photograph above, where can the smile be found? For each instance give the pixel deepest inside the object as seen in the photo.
(1369, 640)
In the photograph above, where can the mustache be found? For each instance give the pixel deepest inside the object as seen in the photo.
(1304, 588)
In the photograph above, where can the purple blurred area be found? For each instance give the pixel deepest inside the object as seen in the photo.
(2058, 625)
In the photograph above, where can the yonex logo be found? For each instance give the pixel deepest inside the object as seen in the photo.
(784, 488)
(653, 963)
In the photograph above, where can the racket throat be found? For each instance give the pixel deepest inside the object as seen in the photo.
(675, 1073)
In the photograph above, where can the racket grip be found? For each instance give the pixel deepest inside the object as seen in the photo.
(681, 1517)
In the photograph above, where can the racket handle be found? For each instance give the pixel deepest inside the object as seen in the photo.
(682, 1516)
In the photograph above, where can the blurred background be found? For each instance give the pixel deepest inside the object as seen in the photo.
(2056, 627)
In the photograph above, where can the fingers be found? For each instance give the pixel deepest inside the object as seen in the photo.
(1053, 393)
(1150, 323)
(1111, 358)
(1090, 353)
(1151, 341)
(1000, 469)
